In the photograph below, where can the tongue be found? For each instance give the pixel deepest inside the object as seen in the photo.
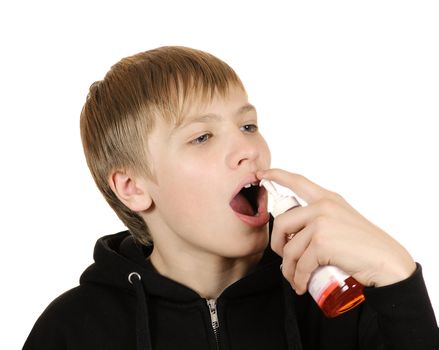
(241, 205)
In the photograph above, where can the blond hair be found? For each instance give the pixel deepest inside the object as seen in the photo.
(121, 109)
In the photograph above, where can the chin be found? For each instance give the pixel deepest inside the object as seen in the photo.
(252, 242)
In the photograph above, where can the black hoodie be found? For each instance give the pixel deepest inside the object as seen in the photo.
(122, 303)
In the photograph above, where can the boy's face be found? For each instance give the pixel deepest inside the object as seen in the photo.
(199, 168)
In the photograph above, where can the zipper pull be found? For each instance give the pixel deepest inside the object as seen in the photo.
(211, 303)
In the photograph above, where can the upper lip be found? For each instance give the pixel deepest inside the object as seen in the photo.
(249, 179)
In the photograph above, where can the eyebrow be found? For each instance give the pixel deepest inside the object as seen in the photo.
(205, 118)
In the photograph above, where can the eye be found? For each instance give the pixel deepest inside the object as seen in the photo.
(201, 139)
(250, 128)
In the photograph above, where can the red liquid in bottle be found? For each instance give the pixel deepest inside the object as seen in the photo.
(335, 291)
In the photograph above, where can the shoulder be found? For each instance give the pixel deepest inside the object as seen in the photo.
(82, 318)
(84, 302)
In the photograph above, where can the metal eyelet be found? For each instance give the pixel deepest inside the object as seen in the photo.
(133, 274)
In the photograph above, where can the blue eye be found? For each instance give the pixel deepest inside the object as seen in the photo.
(201, 139)
(250, 128)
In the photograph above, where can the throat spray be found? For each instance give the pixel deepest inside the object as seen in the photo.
(332, 289)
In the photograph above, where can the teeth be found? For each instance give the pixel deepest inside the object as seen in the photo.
(250, 185)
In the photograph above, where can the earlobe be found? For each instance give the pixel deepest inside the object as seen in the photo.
(130, 190)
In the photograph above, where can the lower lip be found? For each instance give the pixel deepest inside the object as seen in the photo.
(261, 218)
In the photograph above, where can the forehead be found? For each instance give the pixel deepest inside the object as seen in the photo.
(197, 107)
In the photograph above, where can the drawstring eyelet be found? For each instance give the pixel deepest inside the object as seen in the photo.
(142, 322)
(133, 274)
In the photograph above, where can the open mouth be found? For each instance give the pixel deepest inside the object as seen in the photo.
(250, 205)
(246, 202)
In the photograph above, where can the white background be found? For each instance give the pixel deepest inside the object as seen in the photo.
(347, 94)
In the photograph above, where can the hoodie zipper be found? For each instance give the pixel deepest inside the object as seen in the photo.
(211, 303)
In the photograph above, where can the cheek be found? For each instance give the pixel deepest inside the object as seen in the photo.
(188, 187)
(200, 182)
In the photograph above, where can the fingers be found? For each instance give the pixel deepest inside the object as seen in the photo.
(304, 188)
(328, 231)
(291, 222)
(309, 248)
(287, 225)
(293, 265)
(302, 257)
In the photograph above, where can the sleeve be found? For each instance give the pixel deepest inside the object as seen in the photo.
(404, 315)
(45, 334)
(58, 325)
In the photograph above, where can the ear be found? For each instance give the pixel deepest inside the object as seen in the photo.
(131, 191)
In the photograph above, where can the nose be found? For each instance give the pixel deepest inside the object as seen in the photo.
(243, 149)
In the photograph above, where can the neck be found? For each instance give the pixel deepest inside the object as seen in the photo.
(207, 275)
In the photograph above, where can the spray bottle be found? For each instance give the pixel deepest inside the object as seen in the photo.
(332, 289)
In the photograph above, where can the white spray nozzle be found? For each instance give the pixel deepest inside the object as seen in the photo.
(281, 203)
(270, 188)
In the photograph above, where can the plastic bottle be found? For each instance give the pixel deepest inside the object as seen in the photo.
(332, 289)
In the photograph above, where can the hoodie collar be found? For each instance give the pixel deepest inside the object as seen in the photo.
(117, 256)
(122, 263)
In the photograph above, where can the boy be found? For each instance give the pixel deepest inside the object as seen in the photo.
(173, 144)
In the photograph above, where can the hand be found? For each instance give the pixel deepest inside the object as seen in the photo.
(328, 231)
